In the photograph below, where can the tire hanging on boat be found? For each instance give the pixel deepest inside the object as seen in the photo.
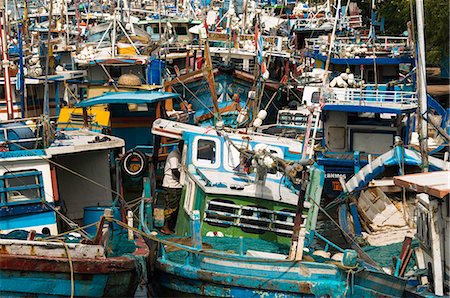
(134, 163)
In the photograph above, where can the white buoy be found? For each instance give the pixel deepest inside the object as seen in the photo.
(344, 76)
(257, 122)
(262, 114)
(333, 83)
(242, 116)
(220, 125)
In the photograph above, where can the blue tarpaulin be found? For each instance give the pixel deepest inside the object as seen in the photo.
(136, 97)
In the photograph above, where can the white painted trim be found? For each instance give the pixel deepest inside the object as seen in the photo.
(204, 164)
(226, 153)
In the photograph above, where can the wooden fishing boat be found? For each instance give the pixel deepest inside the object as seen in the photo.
(432, 192)
(234, 227)
(50, 192)
(68, 269)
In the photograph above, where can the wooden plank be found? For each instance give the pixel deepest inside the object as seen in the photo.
(436, 184)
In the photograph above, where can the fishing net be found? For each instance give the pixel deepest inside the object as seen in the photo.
(382, 255)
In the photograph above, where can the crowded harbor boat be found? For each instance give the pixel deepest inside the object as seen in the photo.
(235, 148)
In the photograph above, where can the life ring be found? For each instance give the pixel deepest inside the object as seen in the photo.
(134, 163)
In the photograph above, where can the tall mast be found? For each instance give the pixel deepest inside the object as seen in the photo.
(47, 61)
(210, 74)
(5, 62)
(422, 86)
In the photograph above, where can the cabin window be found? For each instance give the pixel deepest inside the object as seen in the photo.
(283, 222)
(315, 97)
(254, 220)
(155, 29)
(370, 76)
(180, 30)
(233, 156)
(21, 187)
(206, 152)
(134, 107)
(250, 219)
(115, 72)
(285, 118)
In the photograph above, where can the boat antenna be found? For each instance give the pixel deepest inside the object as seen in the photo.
(422, 86)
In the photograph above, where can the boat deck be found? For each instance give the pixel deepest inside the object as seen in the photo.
(232, 246)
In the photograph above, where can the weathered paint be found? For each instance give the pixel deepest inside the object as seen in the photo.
(25, 275)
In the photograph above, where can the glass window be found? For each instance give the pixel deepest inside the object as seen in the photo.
(22, 186)
(180, 30)
(315, 97)
(206, 151)
(233, 157)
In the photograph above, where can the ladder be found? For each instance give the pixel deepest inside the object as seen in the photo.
(312, 126)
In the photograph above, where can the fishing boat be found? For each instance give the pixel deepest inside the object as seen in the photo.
(432, 191)
(371, 208)
(52, 199)
(244, 233)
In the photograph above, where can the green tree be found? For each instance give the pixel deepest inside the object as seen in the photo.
(397, 13)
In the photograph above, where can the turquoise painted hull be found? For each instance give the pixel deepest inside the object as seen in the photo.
(51, 276)
(225, 275)
(44, 284)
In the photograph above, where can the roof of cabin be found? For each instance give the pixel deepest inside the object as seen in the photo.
(137, 97)
(436, 184)
(81, 140)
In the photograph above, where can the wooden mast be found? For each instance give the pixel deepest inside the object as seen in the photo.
(210, 75)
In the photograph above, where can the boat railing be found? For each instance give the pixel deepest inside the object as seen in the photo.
(398, 44)
(16, 128)
(313, 235)
(372, 97)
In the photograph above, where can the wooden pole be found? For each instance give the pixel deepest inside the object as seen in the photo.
(210, 75)
(422, 86)
(47, 62)
(5, 62)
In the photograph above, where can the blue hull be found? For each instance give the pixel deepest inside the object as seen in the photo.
(45, 284)
(221, 278)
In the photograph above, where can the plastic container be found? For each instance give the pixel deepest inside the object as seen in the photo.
(94, 213)
(125, 49)
(154, 71)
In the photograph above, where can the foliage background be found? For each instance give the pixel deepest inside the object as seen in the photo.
(397, 13)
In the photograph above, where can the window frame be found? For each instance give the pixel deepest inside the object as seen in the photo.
(203, 164)
(17, 174)
(226, 153)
